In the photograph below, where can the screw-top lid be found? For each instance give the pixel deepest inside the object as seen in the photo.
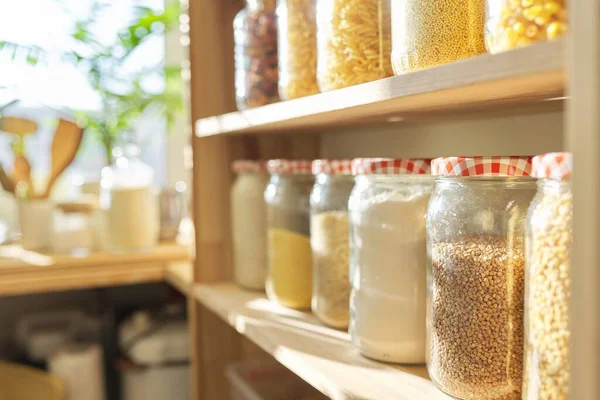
(332, 167)
(390, 166)
(241, 166)
(553, 165)
(482, 166)
(85, 205)
(290, 167)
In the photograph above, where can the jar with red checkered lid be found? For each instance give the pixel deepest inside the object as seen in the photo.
(548, 280)
(249, 223)
(329, 240)
(287, 195)
(388, 258)
(475, 239)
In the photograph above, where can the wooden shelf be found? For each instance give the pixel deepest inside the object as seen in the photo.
(180, 275)
(323, 357)
(522, 76)
(25, 272)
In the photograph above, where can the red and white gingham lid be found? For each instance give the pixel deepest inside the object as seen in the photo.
(332, 167)
(553, 165)
(390, 166)
(290, 167)
(241, 166)
(482, 166)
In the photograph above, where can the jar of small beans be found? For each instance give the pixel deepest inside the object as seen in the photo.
(329, 241)
(517, 23)
(426, 33)
(297, 28)
(354, 42)
(548, 281)
(256, 69)
(476, 249)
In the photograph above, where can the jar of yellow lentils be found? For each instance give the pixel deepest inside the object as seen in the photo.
(426, 33)
(354, 42)
(517, 23)
(297, 30)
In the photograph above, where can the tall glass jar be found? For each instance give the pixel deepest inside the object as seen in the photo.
(475, 244)
(256, 69)
(354, 42)
(388, 258)
(511, 24)
(249, 224)
(289, 282)
(426, 33)
(329, 241)
(548, 280)
(297, 29)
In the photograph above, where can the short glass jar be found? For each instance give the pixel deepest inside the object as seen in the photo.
(354, 42)
(287, 195)
(72, 227)
(329, 238)
(512, 23)
(388, 258)
(475, 242)
(256, 69)
(297, 29)
(548, 280)
(249, 223)
(427, 33)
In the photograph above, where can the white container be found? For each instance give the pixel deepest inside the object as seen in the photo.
(81, 366)
(157, 383)
(268, 380)
(249, 220)
(73, 228)
(388, 258)
(35, 219)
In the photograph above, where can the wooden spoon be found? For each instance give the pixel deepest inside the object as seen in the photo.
(23, 173)
(17, 126)
(6, 182)
(67, 139)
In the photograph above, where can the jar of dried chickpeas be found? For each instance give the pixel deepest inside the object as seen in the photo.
(426, 33)
(297, 29)
(548, 280)
(354, 42)
(476, 248)
(517, 23)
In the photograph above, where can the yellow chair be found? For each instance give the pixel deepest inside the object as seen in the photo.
(18, 382)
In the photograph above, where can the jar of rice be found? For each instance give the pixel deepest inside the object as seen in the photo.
(354, 42)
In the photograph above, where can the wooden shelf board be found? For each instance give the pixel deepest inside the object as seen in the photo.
(180, 275)
(322, 356)
(521, 76)
(26, 272)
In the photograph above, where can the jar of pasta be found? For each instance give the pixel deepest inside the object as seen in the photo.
(548, 281)
(513, 23)
(388, 258)
(289, 282)
(329, 241)
(426, 33)
(256, 69)
(297, 28)
(354, 42)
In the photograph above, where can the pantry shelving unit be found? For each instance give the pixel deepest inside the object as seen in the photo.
(511, 103)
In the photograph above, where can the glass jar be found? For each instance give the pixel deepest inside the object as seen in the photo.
(511, 23)
(256, 70)
(297, 29)
(249, 224)
(72, 228)
(354, 42)
(388, 261)
(548, 283)
(329, 241)
(129, 201)
(426, 33)
(288, 228)
(475, 243)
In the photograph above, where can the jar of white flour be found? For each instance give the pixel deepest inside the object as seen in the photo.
(388, 258)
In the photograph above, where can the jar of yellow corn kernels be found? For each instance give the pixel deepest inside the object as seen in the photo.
(426, 33)
(353, 42)
(517, 23)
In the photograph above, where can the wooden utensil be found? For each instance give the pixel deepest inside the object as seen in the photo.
(23, 173)
(7, 183)
(17, 126)
(67, 139)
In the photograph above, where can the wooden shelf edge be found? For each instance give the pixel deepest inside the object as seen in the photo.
(517, 77)
(180, 275)
(323, 357)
